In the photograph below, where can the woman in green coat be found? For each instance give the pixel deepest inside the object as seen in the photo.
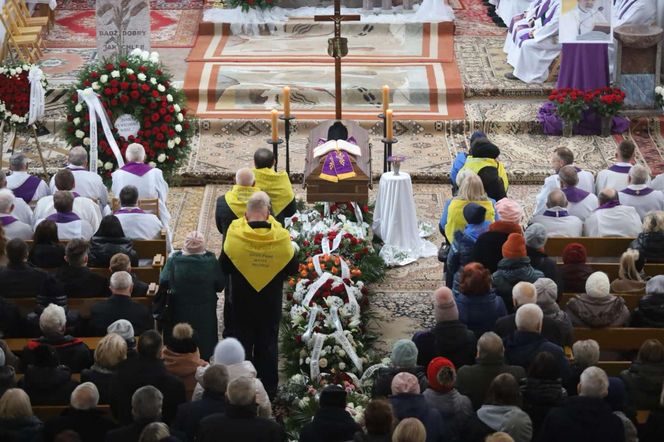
(193, 278)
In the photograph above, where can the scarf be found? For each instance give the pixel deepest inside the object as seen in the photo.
(277, 185)
(237, 198)
(258, 254)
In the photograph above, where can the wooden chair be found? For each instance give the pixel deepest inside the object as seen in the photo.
(27, 46)
(150, 205)
(24, 14)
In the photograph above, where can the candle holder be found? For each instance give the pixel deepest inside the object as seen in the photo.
(287, 129)
(387, 147)
(382, 117)
(275, 149)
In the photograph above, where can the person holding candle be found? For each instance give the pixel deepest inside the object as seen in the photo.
(276, 184)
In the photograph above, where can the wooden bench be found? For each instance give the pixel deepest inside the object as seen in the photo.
(74, 376)
(631, 300)
(613, 368)
(619, 338)
(611, 268)
(46, 412)
(16, 345)
(82, 305)
(148, 274)
(595, 247)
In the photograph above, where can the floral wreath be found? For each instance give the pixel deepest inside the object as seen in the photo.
(137, 85)
(15, 93)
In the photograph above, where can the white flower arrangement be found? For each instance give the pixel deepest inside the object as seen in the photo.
(19, 73)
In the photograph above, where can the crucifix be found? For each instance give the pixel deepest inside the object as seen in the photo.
(337, 48)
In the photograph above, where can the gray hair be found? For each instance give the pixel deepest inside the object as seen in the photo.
(135, 152)
(85, 396)
(638, 174)
(490, 344)
(53, 320)
(556, 198)
(529, 318)
(524, 293)
(78, 156)
(259, 202)
(146, 403)
(154, 432)
(215, 379)
(653, 222)
(568, 175)
(241, 391)
(244, 177)
(586, 352)
(594, 383)
(6, 200)
(3, 179)
(121, 281)
(18, 161)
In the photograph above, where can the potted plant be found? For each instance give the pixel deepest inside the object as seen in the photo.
(570, 104)
(607, 102)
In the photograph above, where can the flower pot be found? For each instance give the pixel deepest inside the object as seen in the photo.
(568, 127)
(396, 166)
(605, 128)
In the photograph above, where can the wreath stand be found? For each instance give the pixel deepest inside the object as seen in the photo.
(14, 134)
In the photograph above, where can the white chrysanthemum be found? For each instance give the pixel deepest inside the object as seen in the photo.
(153, 80)
(152, 164)
(12, 72)
(79, 134)
(86, 141)
(78, 107)
(19, 70)
(108, 165)
(169, 98)
(170, 144)
(161, 158)
(659, 90)
(154, 56)
(178, 128)
(342, 366)
(103, 79)
(129, 71)
(180, 117)
(161, 88)
(176, 107)
(145, 55)
(95, 86)
(177, 140)
(115, 74)
(136, 52)
(141, 76)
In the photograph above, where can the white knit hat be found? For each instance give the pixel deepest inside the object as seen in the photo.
(123, 328)
(228, 352)
(598, 285)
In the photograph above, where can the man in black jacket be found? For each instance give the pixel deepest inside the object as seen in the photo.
(82, 416)
(586, 417)
(258, 256)
(121, 263)
(145, 369)
(240, 421)
(146, 405)
(78, 280)
(190, 414)
(119, 306)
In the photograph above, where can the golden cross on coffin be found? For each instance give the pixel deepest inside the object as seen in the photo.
(337, 48)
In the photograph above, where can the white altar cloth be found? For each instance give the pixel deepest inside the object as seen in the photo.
(395, 222)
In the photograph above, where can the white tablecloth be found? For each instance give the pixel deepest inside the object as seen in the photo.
(395, 221)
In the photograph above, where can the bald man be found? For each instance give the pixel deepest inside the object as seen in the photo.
(233, 204)
(556, 219)
(449, 337)
(87, 184)
(611, 218)
(638, 194)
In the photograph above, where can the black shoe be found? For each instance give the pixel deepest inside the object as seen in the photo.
(511, 76)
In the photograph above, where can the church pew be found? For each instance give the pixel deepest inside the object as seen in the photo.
(74, 376)
(619, 338)
(16, 345)
(595, 247)
(82, 305)
(148, 274)
(611, 268)
(46, 412)
(613, 368)
(631, 300)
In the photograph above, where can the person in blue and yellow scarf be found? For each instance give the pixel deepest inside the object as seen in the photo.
(483, 160)
(257, 256)
(276, 184)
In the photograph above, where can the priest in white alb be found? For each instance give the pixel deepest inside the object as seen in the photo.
(84, 207)
(637, 194)
(13, 227)
(523, 21)
(147, 179)
(28, 187)
(611, 218)
(617, 175)
(88, 184)
(556, 219)
(579, 202)
(136, 223)
(507, 9)
(69, 224)
(22, 210)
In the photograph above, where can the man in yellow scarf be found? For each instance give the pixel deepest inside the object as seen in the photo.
(257, 257)
(276, 184)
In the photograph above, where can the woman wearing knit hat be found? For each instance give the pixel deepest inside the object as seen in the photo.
(650, 312)
(181, 356)
(547, 295)
(596, 307)
(455, 408)
(403, 359)
(407, 402)
(575, 271)
(536, 238)
(629, 279)
(513, 268)
(193, 277)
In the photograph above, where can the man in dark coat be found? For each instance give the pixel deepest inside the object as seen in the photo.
(119, 306)
(527, 341)
(488, 247)
(240, 421)
(483, 160)
(331, 423)
(145, 369)
(11, 322)
(525, 293)
(190, 414)
(474, 380)
(146, 406)
(257, 256)
(78, 280)
(586, 417)
(82, 416)
(449, 338)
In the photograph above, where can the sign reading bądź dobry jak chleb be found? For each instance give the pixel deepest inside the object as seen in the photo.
(122, 25)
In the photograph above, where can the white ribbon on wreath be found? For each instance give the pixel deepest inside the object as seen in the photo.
(37, 94)
(328, 249)
(96, 112)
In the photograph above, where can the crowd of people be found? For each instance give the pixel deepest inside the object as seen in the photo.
(492, 368)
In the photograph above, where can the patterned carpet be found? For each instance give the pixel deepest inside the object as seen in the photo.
(154, 4)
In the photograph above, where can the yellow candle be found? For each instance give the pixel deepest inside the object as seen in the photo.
(275, 125)
(287, 102)
(386, 98)
(388, 124)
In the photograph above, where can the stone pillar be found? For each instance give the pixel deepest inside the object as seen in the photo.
(638, 60)
(387, 4)
(368, 5)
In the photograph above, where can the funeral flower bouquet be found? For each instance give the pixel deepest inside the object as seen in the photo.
(15, 92)
(139, 89)
(608, 101)
(570, 103)
(251, 4)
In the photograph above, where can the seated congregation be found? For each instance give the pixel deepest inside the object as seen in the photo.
(519, 350)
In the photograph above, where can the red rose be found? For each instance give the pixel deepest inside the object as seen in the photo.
(142, 69)
(171, 133)
(162, 111)
(124, 99)
(143, 100)
(158, 72)
(168, 118)
(123, 65)
(160, 136)
(108, 91)
(124, 85)
(132, 77)
(155, 117)
(110, 67)
(153, 105)
(155, 94)
(147, 133)
(86, 83)
(147, 124)
(145, 87)
(134, 95)
(114, 83)
(115, 90)
(114, 102)
(94, 74)
(134, 86)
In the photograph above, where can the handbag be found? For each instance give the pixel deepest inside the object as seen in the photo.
(161, 306)
(443, 251)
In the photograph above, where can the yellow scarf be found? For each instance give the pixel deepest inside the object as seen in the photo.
(477, 164)
(277, 185)
(259, 254)
(455, 219)
(237, 198)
